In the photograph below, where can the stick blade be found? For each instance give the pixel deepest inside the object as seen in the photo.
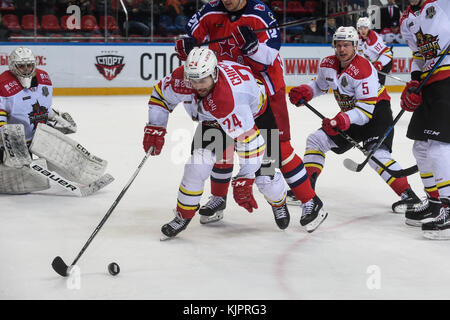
(351, 165)
(60, 266)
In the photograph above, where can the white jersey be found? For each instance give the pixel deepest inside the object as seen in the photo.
(236, 100)
(391, 38)
(19, 105)
(427, 33)
(374, 49)
(356, 87)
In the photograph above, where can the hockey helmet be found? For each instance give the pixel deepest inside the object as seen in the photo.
(201, 63)
(363, 22)
(345, 34)
(22, 64)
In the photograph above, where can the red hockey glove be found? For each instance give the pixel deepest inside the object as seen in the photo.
(243, 193)
(341, 122)
(184, 46)
(377, 65)
(303, 92)
(245, 39)
(154, 137)
(409, 100)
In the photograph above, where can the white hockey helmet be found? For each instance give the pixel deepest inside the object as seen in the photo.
(363, 22)
(201, 63)
(19, 58)
(345, 34)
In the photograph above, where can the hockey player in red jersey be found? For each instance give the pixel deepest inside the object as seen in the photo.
(260, 51)
(26, 111)
(372, 47)
(425, 26)
(365, 113)
(232, 106)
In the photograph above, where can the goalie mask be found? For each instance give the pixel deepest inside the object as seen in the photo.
(22, 64)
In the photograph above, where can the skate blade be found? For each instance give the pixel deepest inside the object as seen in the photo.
(210, 219)
(165, 238)
(313, 225)
(436, 235)
(400, 208)
(293, 202)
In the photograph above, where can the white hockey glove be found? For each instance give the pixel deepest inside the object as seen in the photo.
(62, 121)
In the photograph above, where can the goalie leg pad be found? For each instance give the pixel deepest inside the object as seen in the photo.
(16, 153)
(69, 157)
(23, 180)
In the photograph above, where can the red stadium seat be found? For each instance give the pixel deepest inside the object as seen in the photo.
(311, 6)
(11, 22)
(112, 25)
(56, 37)
(295, 7)
(89, 23)
(28, 21)
(50, 23)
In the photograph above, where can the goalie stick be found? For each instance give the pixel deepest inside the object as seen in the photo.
(352, 165)
(394, 173)
(58, 263)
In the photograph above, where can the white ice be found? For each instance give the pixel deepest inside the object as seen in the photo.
(362, 251)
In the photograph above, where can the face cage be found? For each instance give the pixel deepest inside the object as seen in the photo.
(30, 74)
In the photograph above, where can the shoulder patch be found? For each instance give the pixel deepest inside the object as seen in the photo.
(220, 103)
(372, 38)
(360, 68)
(259, 7)
(330, 62)
(42, 77)
(9, 85)
(178, 83)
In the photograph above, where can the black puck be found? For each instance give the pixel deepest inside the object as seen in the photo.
(113, 268)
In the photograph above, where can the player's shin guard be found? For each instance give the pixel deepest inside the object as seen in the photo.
(295, 174)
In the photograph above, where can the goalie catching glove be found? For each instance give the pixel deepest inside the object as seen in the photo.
(62, 121)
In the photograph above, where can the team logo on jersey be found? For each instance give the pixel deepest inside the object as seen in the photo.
(344, 82)
(430, 13)
(39, 114)
(427, 45)
(226, 48)
(260, 7)
(109, 65)
(344, 101)
(45, 92)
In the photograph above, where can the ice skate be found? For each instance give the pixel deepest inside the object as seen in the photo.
(292, 199)
(439, 228)
(425, 212)
(313, 214)
(212, 211)
(174, 227)
(408, 200)
(281, 215)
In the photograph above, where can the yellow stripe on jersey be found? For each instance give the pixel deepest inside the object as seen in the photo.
(315, 152)
(416, 55)
(247, 154)
(365, 111)
(431, 189)
(314, 165)
(444, 68)
(2, 123)
(3, 113)
(390, 181)
(158, 89)
(426, 175)
(262, 100)
(443, 184)
(387, 165)
(191, 193)
(251, 137)
(159, 102)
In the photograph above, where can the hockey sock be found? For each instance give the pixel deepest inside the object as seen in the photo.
(429, 184)
(188, 202)
(295, 174)
(220, 178)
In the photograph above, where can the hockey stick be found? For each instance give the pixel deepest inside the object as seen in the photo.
(72, 187)
(285, 25)
(352, 165)
(394, 173)
(391, 76)
(58, 263)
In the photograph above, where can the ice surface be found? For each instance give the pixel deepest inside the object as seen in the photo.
(245, 256)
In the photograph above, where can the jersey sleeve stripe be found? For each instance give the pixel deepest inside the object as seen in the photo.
(364, 111)
(158, 90)
(154, 100)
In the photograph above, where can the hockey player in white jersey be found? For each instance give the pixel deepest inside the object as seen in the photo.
(30, 126)
(365, 113)
(372, 47)
(425, 25)
(232, 106)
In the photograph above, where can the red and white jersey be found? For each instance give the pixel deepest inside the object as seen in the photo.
(22, 105)
(426, 32)
(390, 37)
(374, 49)
(236, 100)
(213, 21)
(356, 87)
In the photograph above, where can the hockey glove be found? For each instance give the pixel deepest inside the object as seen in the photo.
(154, 137)
(303, 92)
(409, 100)
(184, 46)
(377, 65)
(243, 193)
(341, 122)
(246, 39)
(62, 121)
